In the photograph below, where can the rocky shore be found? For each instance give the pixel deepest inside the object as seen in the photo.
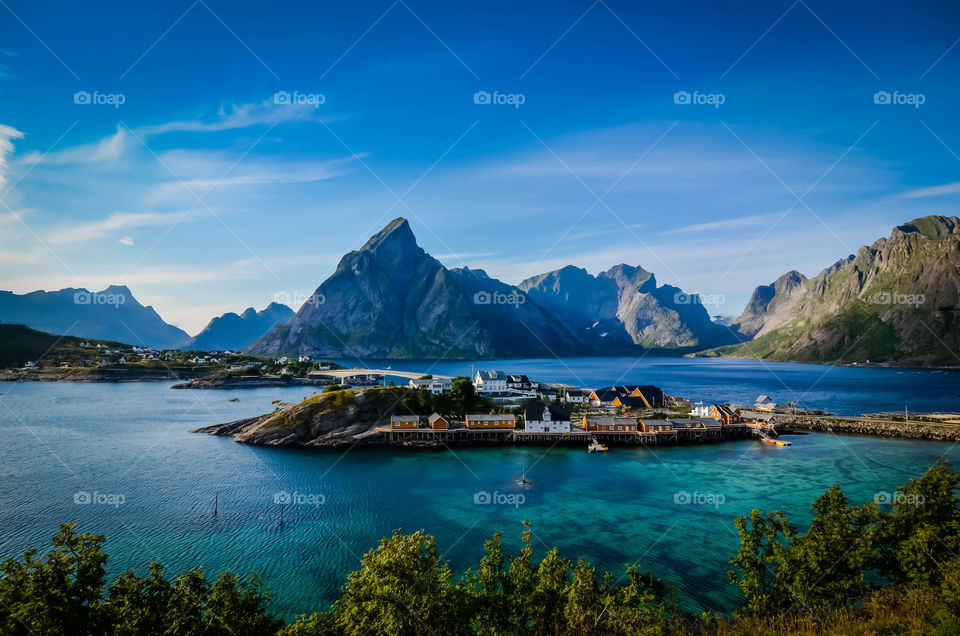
(911, 429)
(96, 375)
(210, 382)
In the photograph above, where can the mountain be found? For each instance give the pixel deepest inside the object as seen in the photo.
(895, 301)
(111, 314)
(237, 332)
(771, 306)
(624, 305)
(392, 299)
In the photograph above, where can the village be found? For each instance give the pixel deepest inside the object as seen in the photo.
(595, 418)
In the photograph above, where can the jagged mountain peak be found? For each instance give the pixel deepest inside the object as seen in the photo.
(396, 235)
(932, 226)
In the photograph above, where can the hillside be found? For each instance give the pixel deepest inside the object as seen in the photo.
(893, 302)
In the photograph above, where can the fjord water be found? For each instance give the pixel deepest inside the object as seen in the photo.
(131, 439)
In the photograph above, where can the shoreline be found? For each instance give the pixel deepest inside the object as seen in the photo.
(872, 427)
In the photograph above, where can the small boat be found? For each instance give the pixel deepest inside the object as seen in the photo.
(781, 442)
(523, 478)
(233, 399)
(596, 447)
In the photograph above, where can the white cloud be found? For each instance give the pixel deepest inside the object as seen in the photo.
(111, 224)
(933, 191)
(126, 240)
(106, 150)
(265, 113)
(7, 135)
(222, 172)
(728, 224)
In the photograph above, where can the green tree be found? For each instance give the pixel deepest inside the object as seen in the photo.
(59, 593)
(760, 562)
(402, 587)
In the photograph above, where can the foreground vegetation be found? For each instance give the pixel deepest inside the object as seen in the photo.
(856, 570)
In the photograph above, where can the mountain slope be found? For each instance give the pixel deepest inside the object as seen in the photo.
(111, 314)
(237, 332)
(624, 305)
(894, 301)
(391, 299)
(772, 305)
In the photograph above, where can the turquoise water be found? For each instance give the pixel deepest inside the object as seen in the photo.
(131, 440)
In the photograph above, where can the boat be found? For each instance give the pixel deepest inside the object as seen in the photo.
(776, 442)
(596, 447)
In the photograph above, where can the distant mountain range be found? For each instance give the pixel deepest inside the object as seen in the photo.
(237, 332)
(390, 299)
(111, 314)
(895, 301)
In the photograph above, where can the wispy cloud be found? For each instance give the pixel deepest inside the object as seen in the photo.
(933, 191)
(250, 172)
(7, 135)
(265, 113)
(110, 225)
(105, 150)
(755, 220)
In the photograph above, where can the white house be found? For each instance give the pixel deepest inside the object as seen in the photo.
(490, 381)
(701, 410)
(436, 386)
(303, 358)
(576, 396)
(283, 360)
(546, 419)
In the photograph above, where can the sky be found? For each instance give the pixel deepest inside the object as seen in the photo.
(217, 155)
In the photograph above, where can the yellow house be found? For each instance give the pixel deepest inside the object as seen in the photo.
(491, 421)
(610, 424)
(403, 422)
(437, 422)
(657, 426)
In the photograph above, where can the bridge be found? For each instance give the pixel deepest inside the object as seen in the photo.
(410, 375)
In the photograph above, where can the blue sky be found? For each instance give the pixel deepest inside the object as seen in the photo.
(205, 195)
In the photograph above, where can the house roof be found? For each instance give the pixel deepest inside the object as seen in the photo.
(404, 418)
(482, 417)
(518, 379)
(491, 375)
(611, 421)
(657, 423)
(626, 400)
(436, 416)
(606, 395)
(534, 412)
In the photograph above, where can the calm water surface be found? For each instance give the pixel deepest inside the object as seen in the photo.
(619, 508)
